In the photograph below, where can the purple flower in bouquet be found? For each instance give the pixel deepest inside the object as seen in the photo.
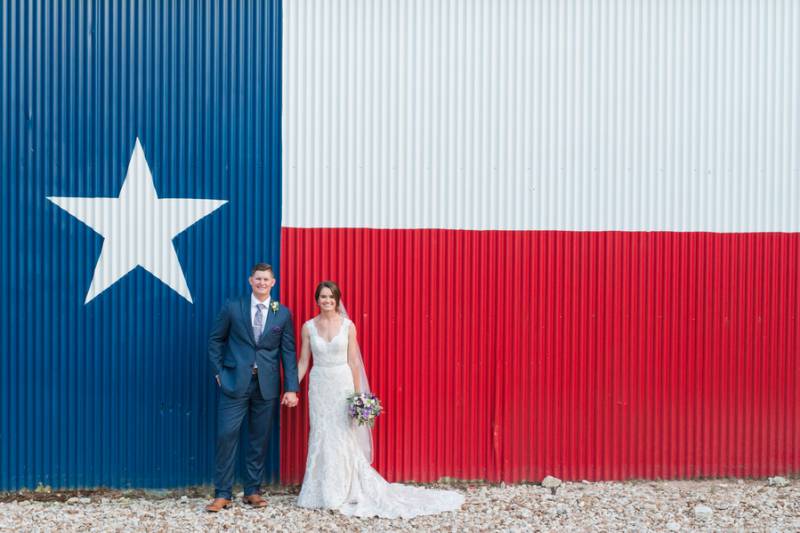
(364, 408)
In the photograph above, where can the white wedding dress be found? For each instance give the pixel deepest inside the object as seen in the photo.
(338, 475)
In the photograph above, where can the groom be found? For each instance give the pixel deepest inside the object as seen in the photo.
(249, 339)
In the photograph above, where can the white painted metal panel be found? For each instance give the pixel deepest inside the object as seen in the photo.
(571, 115)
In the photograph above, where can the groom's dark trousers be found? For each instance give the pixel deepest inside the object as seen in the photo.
(233, 351)
(230, 413)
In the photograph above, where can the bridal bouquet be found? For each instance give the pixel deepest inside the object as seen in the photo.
(364, 407)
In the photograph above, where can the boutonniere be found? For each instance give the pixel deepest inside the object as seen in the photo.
(275, 306)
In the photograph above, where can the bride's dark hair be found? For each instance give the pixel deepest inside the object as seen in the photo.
(337, 294)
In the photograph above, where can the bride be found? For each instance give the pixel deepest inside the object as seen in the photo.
(338, 472)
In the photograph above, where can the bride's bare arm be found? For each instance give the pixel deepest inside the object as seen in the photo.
(353, 359)
(305, 355)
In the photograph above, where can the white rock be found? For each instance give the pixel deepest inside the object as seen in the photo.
(673, 526)
(551, 482)
(723, 504)
(703, 512)
(778, 481)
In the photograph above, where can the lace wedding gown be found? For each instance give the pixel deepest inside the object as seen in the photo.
(338, 475)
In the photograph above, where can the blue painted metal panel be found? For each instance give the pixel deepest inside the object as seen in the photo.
(117, 391)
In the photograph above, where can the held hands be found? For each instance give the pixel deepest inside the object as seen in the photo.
(289, 399)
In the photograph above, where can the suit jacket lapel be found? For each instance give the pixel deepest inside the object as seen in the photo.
(248, 324)
(270, 315)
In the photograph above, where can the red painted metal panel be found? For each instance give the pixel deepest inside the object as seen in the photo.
(604, 355)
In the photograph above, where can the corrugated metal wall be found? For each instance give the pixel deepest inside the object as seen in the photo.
(463, 169)
(566, 230)
(118, 392)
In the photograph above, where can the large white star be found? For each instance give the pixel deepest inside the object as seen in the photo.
(138, 228)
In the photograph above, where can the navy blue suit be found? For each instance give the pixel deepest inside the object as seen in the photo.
(232, 351)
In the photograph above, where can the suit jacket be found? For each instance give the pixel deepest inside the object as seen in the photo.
(232, 350)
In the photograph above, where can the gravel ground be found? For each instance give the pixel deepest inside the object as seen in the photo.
(763, 505)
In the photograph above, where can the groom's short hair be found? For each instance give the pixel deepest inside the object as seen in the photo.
(261, 267)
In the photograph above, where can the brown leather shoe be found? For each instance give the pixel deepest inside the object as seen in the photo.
(217, 505)
(255, 500)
